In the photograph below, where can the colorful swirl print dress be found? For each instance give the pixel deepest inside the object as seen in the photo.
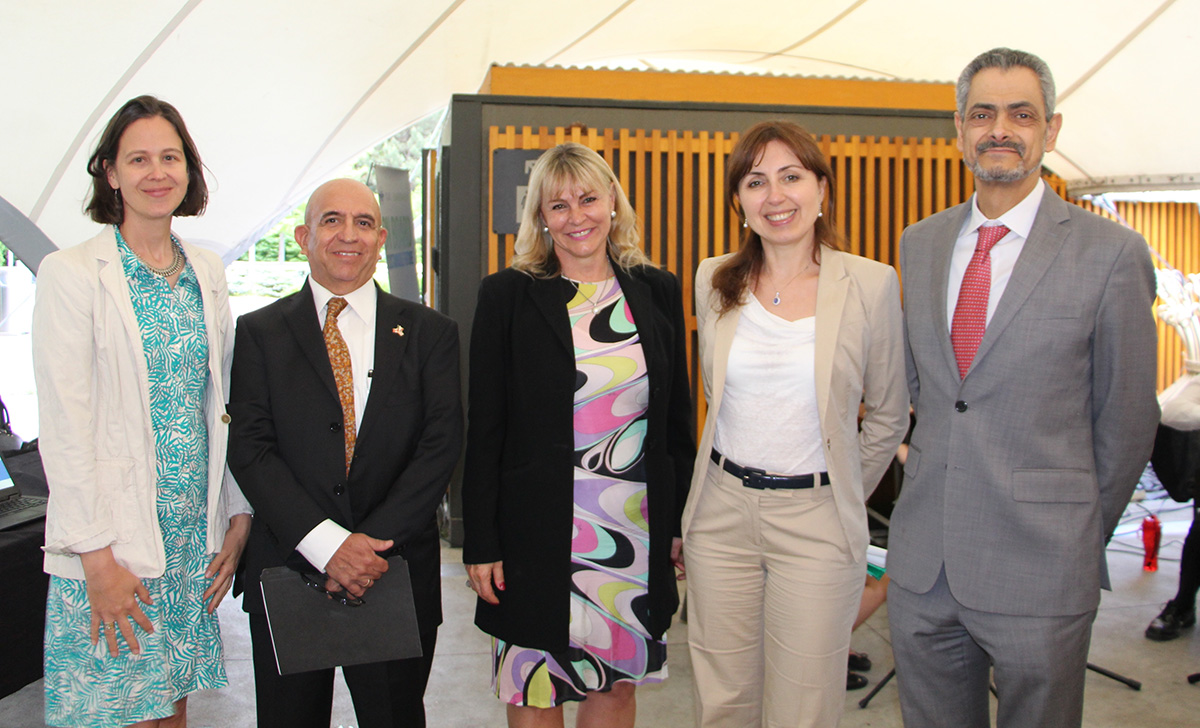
(85, 686)
(608, 640)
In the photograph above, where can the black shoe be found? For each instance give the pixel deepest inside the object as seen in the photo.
(1173, 620)
(854, 681)
(859, 661)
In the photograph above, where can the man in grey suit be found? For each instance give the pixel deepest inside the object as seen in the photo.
(1031, 363)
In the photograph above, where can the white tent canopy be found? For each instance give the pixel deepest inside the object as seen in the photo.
(281, 94)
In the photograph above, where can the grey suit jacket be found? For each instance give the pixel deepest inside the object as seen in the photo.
(1018, 473)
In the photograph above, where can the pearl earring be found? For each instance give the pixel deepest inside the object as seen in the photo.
(612, 215)
(820, 213)
(745, 224)
(546, 229)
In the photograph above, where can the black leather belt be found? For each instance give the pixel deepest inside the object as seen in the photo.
(762, 480)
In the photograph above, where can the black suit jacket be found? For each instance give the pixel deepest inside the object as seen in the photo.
(286, 446)
(517, 482)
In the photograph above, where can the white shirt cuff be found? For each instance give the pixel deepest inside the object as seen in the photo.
(322, 543)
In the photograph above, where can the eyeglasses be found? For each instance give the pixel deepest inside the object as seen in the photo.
(341, 595)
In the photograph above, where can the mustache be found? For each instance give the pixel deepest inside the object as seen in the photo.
(987, 144)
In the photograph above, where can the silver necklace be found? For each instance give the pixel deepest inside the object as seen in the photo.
(173, 268)
(596, 305)
(775, 301)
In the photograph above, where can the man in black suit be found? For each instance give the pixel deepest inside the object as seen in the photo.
(346, 426)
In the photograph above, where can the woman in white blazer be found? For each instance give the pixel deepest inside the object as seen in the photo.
(794, 336)
(132, 342)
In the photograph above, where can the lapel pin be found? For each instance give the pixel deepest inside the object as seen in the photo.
(398, 331)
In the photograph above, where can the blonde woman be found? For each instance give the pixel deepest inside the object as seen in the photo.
(579, 452)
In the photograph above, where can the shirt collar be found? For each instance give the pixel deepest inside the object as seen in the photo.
(361, 300)
(1019, 219)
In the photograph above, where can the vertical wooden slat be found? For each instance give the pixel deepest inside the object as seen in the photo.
(640, 191)
(672, 216)
(656, 247)
(720, 242)
(926, 151)
(704, 189)
(854, 208)
(906, 202)
(887, 239)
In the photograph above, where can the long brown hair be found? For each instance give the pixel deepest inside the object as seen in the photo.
(733, 278)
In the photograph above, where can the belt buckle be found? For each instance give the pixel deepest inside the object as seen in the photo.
(751, 478)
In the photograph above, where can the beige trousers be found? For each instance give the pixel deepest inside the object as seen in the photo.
(772, 594)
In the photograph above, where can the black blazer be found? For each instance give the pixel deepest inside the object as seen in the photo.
(517, 484)
(286, 447)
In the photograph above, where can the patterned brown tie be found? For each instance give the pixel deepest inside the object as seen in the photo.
(970, 315)
(339, 358)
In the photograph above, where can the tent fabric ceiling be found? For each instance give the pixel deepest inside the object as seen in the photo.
(280, 94)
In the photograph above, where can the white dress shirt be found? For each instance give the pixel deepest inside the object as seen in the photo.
(1019, 221)
(357, 325)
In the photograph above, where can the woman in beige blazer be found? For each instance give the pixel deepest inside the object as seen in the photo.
(794, 336)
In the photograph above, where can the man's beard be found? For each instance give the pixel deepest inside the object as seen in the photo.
(1015, 174)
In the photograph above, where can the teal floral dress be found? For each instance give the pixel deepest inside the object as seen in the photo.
(85, 686)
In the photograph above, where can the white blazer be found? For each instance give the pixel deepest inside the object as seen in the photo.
(93, 388)
(859, 359)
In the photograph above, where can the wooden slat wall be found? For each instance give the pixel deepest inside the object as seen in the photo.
(676, 183)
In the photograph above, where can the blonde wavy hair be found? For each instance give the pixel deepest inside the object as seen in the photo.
(559, 168)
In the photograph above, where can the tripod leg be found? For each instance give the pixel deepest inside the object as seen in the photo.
(867, 700)
(1119, 678)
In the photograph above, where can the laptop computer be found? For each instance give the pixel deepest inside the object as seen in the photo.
(16, 509)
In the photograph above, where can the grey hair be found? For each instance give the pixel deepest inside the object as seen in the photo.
(1004, 59)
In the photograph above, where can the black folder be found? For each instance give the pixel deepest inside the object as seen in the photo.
(311, 631)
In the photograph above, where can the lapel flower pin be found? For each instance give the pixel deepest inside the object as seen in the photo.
(399, 330)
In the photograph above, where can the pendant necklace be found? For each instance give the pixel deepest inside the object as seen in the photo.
(775, 301)
(596, 305)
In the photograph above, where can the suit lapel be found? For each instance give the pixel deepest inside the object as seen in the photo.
(724, 327)
(390, 344)
(548, 297)
(1046, 239)
(941, 243)
(300, 314)
(832, 287)
(112, 278)
(638, 296)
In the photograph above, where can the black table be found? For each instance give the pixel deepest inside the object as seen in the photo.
(24, 584)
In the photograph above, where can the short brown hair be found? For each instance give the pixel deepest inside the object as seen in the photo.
(731, 280)
(106, 206)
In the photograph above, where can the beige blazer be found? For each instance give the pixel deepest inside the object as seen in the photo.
(93, 387)
(859, 358)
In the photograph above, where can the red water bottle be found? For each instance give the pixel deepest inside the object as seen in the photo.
(1151, 538)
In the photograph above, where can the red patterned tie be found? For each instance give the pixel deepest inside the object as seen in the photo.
(970, 315)
(339, 358)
